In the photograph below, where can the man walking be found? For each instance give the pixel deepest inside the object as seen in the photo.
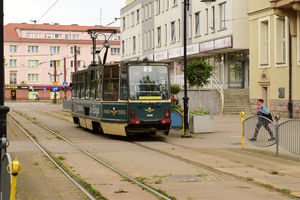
(262, 113)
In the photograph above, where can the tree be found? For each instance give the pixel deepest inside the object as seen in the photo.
(198, 74)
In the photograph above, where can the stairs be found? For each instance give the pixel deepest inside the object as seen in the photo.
(236, 101)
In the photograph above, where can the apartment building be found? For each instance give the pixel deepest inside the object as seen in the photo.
(216, 33)
(31, 50)
(275, 55)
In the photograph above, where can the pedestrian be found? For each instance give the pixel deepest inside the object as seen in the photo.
(263, 120)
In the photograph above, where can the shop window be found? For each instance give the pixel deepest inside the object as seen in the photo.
(111, 83)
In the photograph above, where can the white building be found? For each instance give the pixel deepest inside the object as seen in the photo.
(217, 33)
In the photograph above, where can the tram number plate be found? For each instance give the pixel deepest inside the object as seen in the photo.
(149, 115)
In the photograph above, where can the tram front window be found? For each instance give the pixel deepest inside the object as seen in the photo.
(149, 82)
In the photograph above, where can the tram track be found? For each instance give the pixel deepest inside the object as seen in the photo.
(188, 161)
(69, 176)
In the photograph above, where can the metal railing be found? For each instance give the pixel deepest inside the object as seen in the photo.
(219, 86)
(262, 132)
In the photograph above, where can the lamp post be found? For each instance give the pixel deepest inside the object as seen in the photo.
(186, 98)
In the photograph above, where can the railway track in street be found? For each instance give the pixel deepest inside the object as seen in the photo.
(68, 175)
(171, 155)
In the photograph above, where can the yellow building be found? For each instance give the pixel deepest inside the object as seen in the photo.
(275, 55)
(129, 2)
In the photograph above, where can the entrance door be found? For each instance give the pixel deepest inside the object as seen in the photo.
(236, 70)
(13, 95)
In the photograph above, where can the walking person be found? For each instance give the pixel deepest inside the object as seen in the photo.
(262, 112)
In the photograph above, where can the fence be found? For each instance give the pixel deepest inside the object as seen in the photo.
(262, 132)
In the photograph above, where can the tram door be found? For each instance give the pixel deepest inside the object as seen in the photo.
(13, 95)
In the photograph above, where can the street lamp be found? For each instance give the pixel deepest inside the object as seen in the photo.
(186, 98)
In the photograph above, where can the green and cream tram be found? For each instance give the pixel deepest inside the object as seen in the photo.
(123, 98)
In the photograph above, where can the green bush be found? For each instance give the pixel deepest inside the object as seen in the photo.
(175, 89)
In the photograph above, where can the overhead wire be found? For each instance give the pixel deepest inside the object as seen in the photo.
(47, 10)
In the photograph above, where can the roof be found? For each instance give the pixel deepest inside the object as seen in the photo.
(10, 31)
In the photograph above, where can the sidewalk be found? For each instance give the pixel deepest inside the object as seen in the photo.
(222, 150)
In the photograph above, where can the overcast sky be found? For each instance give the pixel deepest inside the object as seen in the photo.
(82, 12)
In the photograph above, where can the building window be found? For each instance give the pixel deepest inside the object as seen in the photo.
(78, 50)
(124, 24)
(207, 24)
(13, 78)
(264, 42)
(52, 78)
(157, 4)
(223, 16)
(213, 18)
(52, 36)
(281, 41)
(123, 48)
(52, 62)
(33, 35)
(115, 51)
(72, 37)
(173, 31)
(167, 4)
(12, 48)
(54, 50)
(33, 49)
(166, 34)
(78, 63)
(33, 77)
(158, 36)
(33, 63)
(190, 26)
(175, 2)
(197, 24)
(134, 44)
(132, 19)
(179, 31)
(13, 62)
(137, 16)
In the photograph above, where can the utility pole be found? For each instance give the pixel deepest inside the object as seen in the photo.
(185, 98)
(54, 81)
(65, 77)
(75, 58)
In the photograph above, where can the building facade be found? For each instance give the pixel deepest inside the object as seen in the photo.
(216, 33)
(275, 55)
(32, 50)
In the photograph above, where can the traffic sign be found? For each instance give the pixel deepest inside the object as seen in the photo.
(55, 83)
(45, 89)
(55, 89)
(65, 84)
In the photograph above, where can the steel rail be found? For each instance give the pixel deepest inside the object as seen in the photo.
(101, 161)
(44, 150)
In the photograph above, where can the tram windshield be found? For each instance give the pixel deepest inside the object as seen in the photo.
(149, 82)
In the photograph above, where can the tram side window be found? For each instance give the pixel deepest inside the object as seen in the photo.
(87, 85)
(92, 85)
(98, 86)
(124, 84)
(111, 83)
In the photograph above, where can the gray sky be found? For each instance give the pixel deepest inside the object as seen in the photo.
(66, 12)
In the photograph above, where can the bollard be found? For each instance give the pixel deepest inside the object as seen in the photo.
(182, 111)
(16, 168)
(242, 114)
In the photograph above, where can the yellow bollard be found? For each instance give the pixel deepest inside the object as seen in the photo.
(243, 137)
(16, 168)
(182, 111)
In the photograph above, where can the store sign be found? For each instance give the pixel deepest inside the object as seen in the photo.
(161, 55)
(17, 87)
(192, 49)
(176, 52)
(207, 46)
(223, 43)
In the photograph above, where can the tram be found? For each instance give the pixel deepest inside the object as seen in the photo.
(125, 98)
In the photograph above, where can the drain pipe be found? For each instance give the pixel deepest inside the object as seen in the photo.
(290, 103)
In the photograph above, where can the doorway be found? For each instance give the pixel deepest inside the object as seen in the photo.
(13, 94)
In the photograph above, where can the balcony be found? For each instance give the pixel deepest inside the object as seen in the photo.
(287, 8)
